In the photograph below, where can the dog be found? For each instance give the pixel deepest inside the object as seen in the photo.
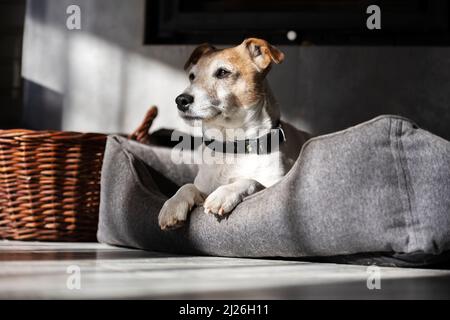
(229, 94)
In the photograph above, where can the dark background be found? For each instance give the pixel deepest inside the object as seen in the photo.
(12, 14)
(325, 22)
(105, 76)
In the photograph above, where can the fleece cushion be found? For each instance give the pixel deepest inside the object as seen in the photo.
(378, 189)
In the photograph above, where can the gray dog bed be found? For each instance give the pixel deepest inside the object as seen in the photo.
(378, 192)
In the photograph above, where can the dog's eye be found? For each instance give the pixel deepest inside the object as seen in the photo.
(191, 76)
(221, 73)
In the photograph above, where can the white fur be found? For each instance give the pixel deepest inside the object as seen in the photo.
(221, 187)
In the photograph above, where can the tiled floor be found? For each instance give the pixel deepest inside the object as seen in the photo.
(40, 270)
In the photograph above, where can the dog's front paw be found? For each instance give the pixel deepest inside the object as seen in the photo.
(222, 201)
(173, 214)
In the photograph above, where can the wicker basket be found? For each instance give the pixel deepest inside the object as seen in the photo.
(49, 185)
(50, 182)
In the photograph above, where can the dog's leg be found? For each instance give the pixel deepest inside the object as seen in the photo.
(175, 210)
(228, 196)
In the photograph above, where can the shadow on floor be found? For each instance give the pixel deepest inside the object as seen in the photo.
(433, 288)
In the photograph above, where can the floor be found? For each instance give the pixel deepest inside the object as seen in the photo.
(32, 270)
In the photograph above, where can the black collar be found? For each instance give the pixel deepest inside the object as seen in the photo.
(262, 145)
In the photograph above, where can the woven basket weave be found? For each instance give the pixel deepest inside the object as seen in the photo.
(49, 185)
(50, 182)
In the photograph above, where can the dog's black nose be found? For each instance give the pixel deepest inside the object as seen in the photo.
(183, 101)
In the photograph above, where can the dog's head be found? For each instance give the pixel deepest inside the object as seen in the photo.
(225, 84)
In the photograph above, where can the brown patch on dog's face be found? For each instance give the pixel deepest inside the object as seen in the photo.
(200, 51)
(224, 83)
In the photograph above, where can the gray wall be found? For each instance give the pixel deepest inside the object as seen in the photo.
(102, 78)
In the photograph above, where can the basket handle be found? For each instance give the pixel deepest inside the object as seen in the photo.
(141, 134)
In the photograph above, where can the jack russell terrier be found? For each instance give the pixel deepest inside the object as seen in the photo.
(229, 94)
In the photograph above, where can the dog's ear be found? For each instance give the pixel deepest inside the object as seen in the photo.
(197, 54)
(263, 53)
